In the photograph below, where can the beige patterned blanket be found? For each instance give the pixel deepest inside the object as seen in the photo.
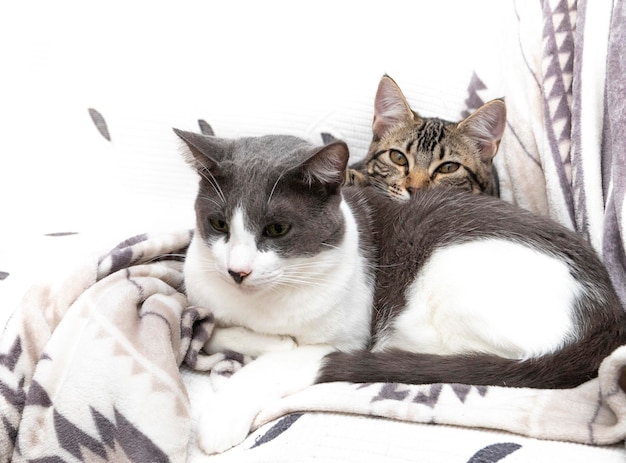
(90, 370)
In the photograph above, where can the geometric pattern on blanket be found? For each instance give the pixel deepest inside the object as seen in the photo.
(559, 25)
(90, 371)
(564, 151)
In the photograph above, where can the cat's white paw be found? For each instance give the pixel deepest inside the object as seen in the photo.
(283, 343)
(247, 342)
(228, 414)
(224, 424)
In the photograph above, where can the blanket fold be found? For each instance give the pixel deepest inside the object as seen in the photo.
(90, 367)
(90, 371)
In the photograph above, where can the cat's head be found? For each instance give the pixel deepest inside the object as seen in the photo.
(409, 152)
(264, 201)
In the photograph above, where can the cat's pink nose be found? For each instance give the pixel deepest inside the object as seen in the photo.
(238, 276)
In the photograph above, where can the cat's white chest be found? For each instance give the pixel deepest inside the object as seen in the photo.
(321, 299)
(487, 296)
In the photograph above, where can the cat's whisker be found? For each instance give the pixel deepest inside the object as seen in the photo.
(211, 200)
(299, 282)
(313, 265)
(269, 199)
(304, 279)
(306, 274)
(208, 265)
(321, 276)
(212, 181)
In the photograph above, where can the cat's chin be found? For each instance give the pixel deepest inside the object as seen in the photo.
(249, 289)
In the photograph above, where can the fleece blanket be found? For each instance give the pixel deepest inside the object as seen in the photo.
(562, 72)
(90, 370)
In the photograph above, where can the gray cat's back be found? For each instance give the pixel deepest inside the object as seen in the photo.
(409, 233)
(444, 216)
(469, 285)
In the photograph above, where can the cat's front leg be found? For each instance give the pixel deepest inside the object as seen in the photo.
(229, 414)
(247, 342)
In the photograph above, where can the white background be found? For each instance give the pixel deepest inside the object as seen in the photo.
(247, 67)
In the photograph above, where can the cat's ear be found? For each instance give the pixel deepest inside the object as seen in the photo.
(486, 127)
(390, 107)
(203, 152)
(327, 165)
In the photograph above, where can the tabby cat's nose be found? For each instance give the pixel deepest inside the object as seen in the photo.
(238, 276)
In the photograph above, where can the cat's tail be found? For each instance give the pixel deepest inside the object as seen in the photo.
(569, 367)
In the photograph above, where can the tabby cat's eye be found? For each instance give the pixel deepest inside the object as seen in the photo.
(276, 230)
(219, 225)
(448, 167)
(398, 158)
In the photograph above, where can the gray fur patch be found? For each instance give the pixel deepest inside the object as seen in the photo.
(262, 176)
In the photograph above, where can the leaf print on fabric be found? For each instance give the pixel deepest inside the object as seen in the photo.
(494, 452)
(100, 123)
(328, 138)
(276, 430)
(473, 100)
(205, 128)
(3, 275)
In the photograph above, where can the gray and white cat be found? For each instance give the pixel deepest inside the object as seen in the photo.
(326, 283)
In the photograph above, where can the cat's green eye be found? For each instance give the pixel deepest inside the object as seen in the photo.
(219, 225)
(448, 167)
(398, 158)
(276, 230)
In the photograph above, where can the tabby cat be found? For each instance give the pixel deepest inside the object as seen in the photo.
(409, 151)
(333, 283)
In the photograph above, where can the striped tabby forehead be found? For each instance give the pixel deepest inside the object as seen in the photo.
(437, 153)
(423, 135)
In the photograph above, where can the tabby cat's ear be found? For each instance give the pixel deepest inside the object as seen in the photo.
(203, 152)
(486, 126)
(390, 107)
(327, 165)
